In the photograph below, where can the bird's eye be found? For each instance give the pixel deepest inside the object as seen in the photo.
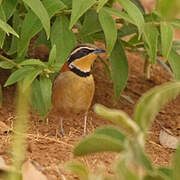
(84, 51)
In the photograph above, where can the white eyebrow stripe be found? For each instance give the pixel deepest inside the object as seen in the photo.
(80, 49)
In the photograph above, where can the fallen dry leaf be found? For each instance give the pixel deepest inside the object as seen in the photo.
(168, 140)
(29, 172)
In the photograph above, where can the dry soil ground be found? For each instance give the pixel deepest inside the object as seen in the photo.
(51, 151)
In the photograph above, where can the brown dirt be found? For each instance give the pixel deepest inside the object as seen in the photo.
(47, 148)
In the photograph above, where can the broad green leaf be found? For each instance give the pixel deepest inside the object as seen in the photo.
(35, 62)
(78, 169)
(46, 88)
(9, 7)
(27, 81)
(98, 143)
(78, 9)
(91, 24)
(139, 5)
(101, 3)
(17, 75)
(41, 12)
(174, 61)
(134, 13)
(167, 35)
(62, 37)
(42, 40)
(2, 33)
(37, 99)
(119, 14)
(17, 24)
(108, 25)
(140, 156)
(6, 65)
(52, 55)
(168, 9)
(150, 35)
(7, 28)
(111, 131)
(125, 123)
(176, 23)
(119, 69)
(154, 100)
(31, 29)
(126, 30)
(124, 172)
(165, 172)
(176, 164)
(153, 177)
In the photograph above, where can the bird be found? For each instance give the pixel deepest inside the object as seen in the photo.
(73, 88)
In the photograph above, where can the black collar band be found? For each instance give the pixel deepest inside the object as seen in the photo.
(79, 72)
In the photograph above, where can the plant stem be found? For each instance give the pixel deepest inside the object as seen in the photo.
(147, 68)
(65, 11)
(3, 58)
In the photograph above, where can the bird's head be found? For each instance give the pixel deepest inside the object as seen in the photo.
(83, 56)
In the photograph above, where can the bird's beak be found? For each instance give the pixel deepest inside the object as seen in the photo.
(96, 51)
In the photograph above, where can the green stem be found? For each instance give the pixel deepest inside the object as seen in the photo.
(3, 58)
(65, 11)
(147, 68)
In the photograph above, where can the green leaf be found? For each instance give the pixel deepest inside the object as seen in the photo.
(46, 88)
(126, 124)
(98, 143)
(153, 101)
(111, 131)
(139, 5)
(126, 30)
(124, 172)
(17, 24)
(140, 156)
(119, 69)
(91, 24)
(108, 25)
(153, 177)
(101, 3)
(62, 37)
(52, 55)
(176, 164)
(78, 9)
(150, 34)
(29, 78)
(167, 35)
(165, 172)
(134, 13)
(9, 7)
(119, 14)
(35, 62)
(176, 23)
(2, 33)
(174, 61)
(37, 99)
(41, 12)
(31, 29)
(79, 169)
(18, 75)
(7, 28)
(6, 65)
(168, 9)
